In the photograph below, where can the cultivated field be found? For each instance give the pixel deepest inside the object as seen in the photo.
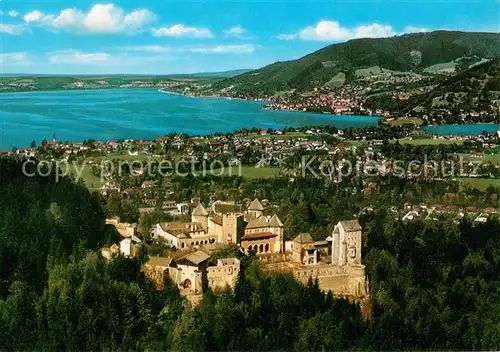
(479, 183)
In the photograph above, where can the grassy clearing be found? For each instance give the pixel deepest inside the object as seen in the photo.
(479, 183)
(90, 180)
(403, 121)
(427, 141)
(337, 81)
(356, 143)
(487, 158)
(442, 66)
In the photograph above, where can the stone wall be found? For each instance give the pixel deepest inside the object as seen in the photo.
(343, 281)
(224, 274)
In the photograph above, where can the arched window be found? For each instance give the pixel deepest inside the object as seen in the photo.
(197, 243)
(267, 247)
(182, 245)
(261, 248)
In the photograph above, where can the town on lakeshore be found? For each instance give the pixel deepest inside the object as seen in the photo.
(249, 176)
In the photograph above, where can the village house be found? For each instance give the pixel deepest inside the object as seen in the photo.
(147, 184)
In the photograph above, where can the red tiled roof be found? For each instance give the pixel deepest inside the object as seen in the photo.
(258, 235)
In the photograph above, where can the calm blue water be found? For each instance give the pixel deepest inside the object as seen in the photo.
(139, 113)
(462, 129)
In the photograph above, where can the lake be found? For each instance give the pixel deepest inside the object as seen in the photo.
(467, 129)
(139, 113)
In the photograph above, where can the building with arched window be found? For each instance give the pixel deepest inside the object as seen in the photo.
(264, 235)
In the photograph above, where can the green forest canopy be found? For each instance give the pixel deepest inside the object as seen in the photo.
(434, 285)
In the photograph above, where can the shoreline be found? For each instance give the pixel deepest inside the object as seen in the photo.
(208, 135)
(265, 107)
(210, 96)
(72, 90)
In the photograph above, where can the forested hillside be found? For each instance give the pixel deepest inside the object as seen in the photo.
(410, 52)
(41, 221)
(434, 285)
(472, 90)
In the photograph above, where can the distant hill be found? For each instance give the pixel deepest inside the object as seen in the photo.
(409, 52)
(222, 74)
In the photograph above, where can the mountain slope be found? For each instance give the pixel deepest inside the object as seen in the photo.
(411, 52)
(221, 74)
(472, 91)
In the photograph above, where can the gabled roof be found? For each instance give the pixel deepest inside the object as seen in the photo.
(180, 229)
(351, 225)
(257, 223)
(275, 221)
(303, 238)
(256, 205)
(195, 258)
(200, 211)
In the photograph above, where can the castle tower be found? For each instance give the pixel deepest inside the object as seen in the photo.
(255, 209)
(276, 226)
(200, 215)
(232, 228)
(346, 243)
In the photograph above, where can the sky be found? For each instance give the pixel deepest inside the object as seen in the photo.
(188, 36)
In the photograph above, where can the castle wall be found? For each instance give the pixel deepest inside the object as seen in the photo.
(221, 276)
(343, 281)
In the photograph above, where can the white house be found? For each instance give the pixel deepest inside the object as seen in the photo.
(126, 247)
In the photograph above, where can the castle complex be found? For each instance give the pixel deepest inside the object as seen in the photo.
(335, 261)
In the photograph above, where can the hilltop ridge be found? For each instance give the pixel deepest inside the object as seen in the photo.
(417, 53)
